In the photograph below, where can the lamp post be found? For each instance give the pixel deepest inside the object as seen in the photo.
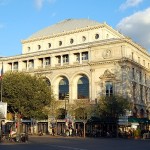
(66, 99)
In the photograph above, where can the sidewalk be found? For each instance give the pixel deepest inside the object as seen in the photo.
(55, 136)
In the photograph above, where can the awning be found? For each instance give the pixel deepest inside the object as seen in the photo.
(138, 120)
(107, 120)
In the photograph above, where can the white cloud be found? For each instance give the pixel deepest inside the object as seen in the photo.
(130, 3)
(39, 3)
(137, 26)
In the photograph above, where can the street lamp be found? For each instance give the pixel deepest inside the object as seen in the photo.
(66, 98)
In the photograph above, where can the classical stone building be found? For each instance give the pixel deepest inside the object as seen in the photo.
(87, 59)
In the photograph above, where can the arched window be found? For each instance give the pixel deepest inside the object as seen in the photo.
(63, 88)
(83, 88)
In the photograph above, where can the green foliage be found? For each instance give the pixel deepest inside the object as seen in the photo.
(25, 94)
(112, 106)
(82, 110)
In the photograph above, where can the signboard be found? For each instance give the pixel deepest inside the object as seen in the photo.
(123, 120)
(3, 110)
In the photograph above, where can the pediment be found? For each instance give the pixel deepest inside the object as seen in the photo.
(107, 75)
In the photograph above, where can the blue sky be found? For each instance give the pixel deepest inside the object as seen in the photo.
(19, 19)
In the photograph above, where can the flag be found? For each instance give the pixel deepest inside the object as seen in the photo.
(1, 72)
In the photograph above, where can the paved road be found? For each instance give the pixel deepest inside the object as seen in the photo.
(65, 143)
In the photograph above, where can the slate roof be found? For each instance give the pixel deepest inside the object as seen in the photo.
(64, 26)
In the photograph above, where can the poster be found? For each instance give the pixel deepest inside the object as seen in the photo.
(3, 110)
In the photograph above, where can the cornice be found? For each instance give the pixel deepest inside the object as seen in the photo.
(113, 30)
(135, 63)
(62, 34)
(140, 48)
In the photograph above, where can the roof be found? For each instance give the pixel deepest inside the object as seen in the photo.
(64, 26)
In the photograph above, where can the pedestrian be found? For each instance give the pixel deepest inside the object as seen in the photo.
(53, 132)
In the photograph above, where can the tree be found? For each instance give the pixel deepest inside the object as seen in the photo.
(109, 108)
(52, 111)
(112, 106)
(25, 95)
(82, 111)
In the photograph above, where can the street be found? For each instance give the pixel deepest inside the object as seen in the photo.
(72, 143)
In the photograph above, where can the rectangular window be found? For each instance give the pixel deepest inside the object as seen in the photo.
(109, 88)
(141, 92)
(143, 62)
(15, 66)
(47, 61)
(84, 55)
(132, 56)
(133, 73)
(145, 78)
(65, 58)
(140, 76)
(31, 64)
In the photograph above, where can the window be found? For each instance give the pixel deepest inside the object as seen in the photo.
(39, 47)
(65, 58)
(145, 79)
(141, 92)
(29, 49)
(47, 61)
(96, 36)
(31, 64)
(49, 45)
(84, 55)
(71, 41)
(138, 59)
(63, 88)
(132, 56)
(109, 88)
(133, 74)
(83, 88)
(60, 43)
(140, 76)
(15, 66)
(143, 62)
(83, 38)
(107, 36)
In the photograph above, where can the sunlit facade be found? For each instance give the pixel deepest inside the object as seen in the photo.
(87, 59)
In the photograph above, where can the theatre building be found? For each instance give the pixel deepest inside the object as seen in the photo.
(86, 59)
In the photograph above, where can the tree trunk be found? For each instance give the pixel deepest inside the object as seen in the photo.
(84, 129)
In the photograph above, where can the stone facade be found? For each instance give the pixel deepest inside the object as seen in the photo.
(76, 49)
